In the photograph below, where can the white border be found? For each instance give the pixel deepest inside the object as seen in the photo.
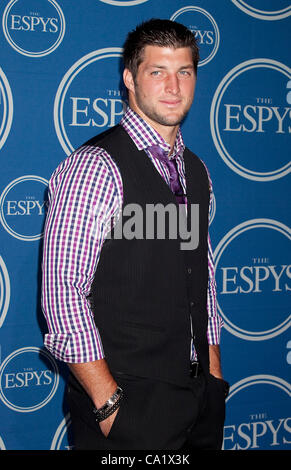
(2, 445)
(289, 92)
(214, 126)
(262, 14)
(258, 380)
(60, 433)
(7, 108)
(66, 82)
(26, 238)
(212, 209)
(4, 291)
(229, 237)
(120, 3)
(44, 402)
(212, 21)
(24, 51)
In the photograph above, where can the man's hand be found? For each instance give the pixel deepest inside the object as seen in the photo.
(106, 425)
(98, 382)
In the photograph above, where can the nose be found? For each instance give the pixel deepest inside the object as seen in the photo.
(172, 84)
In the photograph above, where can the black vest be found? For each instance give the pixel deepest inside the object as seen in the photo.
(145, 290)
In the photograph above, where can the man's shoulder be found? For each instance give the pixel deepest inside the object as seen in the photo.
(95, 147)
(83, 153)
(105, 137)
(89, 157)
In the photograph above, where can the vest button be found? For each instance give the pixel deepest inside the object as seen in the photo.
(189, 270)
(192, 303)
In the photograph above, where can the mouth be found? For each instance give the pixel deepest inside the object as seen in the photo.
(171, 103)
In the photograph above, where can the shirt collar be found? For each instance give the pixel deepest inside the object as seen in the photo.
(144, 135)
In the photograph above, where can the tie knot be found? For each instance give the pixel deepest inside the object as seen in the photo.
(159, 153)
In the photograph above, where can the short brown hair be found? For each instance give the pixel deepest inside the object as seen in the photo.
(157, 32)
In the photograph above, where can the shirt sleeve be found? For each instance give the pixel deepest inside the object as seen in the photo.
(215, 322)
(85, 192)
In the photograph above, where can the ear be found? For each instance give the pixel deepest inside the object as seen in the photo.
(128, 80)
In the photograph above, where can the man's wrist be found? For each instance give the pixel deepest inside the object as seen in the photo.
(110, 406)
(214, 361)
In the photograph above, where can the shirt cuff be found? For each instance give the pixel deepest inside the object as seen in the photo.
(215, 324)
(78, 347)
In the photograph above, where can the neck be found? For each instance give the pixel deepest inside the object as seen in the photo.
(169, 133)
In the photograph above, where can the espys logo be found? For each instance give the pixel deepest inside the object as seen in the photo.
(84, 105)
(23, 207)
(2, 445)
(263, 14)
(28, 379)
(253, 273)
(34, 28)
(257, 408)
(250, 111)
(288, 358)
(6, 108)
(205, 29)
(60, 440)
(4, 291)
(123, 3)
(212, 209)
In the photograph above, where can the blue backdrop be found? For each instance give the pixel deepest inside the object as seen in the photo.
(59, 86)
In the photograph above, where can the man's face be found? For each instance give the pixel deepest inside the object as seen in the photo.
(163, 90)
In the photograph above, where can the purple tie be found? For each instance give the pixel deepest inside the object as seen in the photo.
(175, 183)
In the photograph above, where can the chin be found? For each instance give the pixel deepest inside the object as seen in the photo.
(172, 120)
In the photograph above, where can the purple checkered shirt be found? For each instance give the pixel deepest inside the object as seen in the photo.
(86, 180)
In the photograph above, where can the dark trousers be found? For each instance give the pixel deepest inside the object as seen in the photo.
(153, 415)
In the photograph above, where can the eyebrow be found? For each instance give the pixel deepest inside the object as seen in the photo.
(157, 66)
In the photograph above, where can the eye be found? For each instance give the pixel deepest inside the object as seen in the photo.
(156, 73)
(185, 73)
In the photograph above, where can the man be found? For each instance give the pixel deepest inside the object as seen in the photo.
(135, 317)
